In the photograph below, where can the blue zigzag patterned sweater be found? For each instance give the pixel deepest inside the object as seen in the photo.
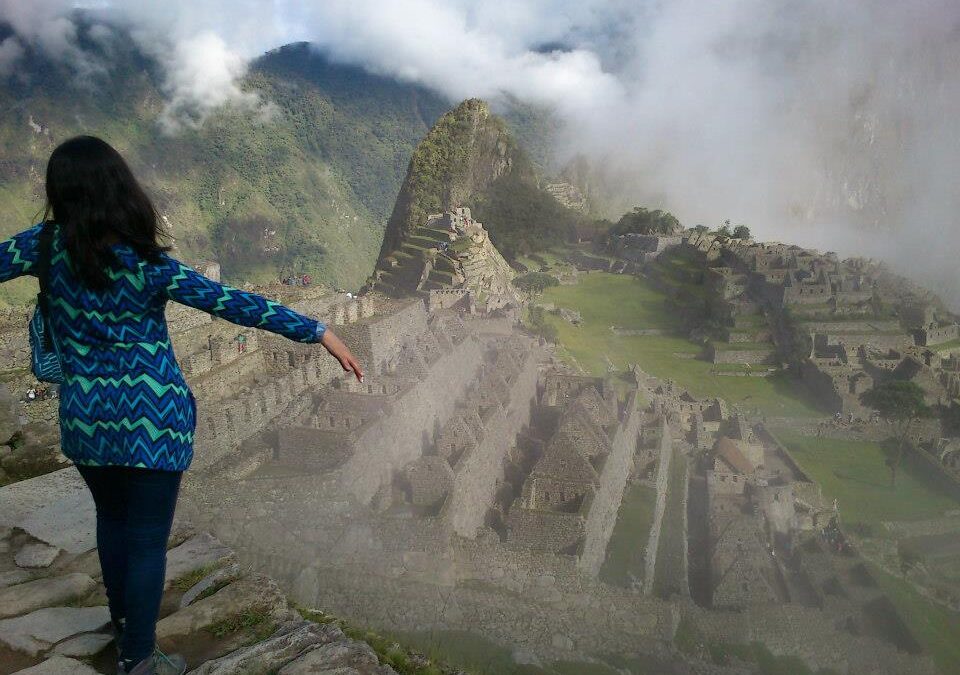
(124, 400)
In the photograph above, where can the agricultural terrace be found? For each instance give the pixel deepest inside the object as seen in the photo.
(622, 301)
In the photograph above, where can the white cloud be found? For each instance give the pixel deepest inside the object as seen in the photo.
(10, 52)
(772, 112)
(202, 75)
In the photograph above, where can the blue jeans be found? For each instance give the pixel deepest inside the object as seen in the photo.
(134, 514)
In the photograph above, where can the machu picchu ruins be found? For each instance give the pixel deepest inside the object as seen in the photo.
(579, 445)
(450, 259)
(477, 480)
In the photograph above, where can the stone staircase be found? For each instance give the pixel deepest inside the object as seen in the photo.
(408, 268)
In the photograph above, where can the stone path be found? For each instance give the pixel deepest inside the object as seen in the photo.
(224, 619)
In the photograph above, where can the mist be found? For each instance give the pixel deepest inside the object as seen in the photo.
(828, 124)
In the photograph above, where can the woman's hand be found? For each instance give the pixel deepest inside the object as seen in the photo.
(341, 353)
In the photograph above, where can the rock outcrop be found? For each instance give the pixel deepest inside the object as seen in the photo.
(451, 261)
(226, 620)
(466, 150)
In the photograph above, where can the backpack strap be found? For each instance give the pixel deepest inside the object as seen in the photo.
(43, 272)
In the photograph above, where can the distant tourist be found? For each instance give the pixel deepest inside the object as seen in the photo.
(108, 279)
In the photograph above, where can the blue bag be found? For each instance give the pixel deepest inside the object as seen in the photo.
(44, 354)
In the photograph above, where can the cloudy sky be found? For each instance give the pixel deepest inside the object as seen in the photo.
(806, 119)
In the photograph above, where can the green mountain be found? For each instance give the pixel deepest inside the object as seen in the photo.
(305, 190)
(465, 152)
(470, 158)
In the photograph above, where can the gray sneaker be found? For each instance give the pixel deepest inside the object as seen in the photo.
(157, 664)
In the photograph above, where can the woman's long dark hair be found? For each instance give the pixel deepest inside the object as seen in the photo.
(97, 201)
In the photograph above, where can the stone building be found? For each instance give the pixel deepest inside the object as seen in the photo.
(935, 333)
(642, 248)
(430, 479)
(735, 465)
(580, 470)
(743, 571)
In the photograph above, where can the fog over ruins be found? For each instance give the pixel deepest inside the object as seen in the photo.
(473, 481)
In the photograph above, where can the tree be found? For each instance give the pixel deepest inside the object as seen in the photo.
(535, 283)
(521, 218)
(700, 229)
(539, 324)
(901, 403)
(951, 419)
(723, 232)
(645, 221)
(741, 232)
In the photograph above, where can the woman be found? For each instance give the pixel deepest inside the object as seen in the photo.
(127, 416)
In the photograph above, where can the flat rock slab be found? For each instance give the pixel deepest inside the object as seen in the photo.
(14, 577)
(86, 563)
(342, 656)
(218, 576)
(59, 665)
(255, 592)
(36, 554)
(33, 595)
(197, 552)
(274, 652)
(39, 630)
(88, 644)
(55, 508)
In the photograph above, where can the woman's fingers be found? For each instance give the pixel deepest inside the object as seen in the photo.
(355, 366)
(351, 365)
(342, 353)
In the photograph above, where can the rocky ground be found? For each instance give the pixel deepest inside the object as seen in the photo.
(221, 617)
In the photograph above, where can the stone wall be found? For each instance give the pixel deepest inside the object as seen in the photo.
(855, 326)
(430, 479)
(218, 351)
(300, 447)
(377, 341)
(831, 385)
(762, 335)
(935, 335)
(543, 622)
(663, 484)
(609, 495)
(644, 247)
(181, 318)
(392, 442)
(480, 469)
(228, 380)
(451, 298)
(873, 340)
(853, 297)
(544, 530)
(810, 634)
(752, 356)
(223, 426)
(806, 294)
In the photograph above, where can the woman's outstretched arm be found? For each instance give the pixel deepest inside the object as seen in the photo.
(18, 254)
(181, 283)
